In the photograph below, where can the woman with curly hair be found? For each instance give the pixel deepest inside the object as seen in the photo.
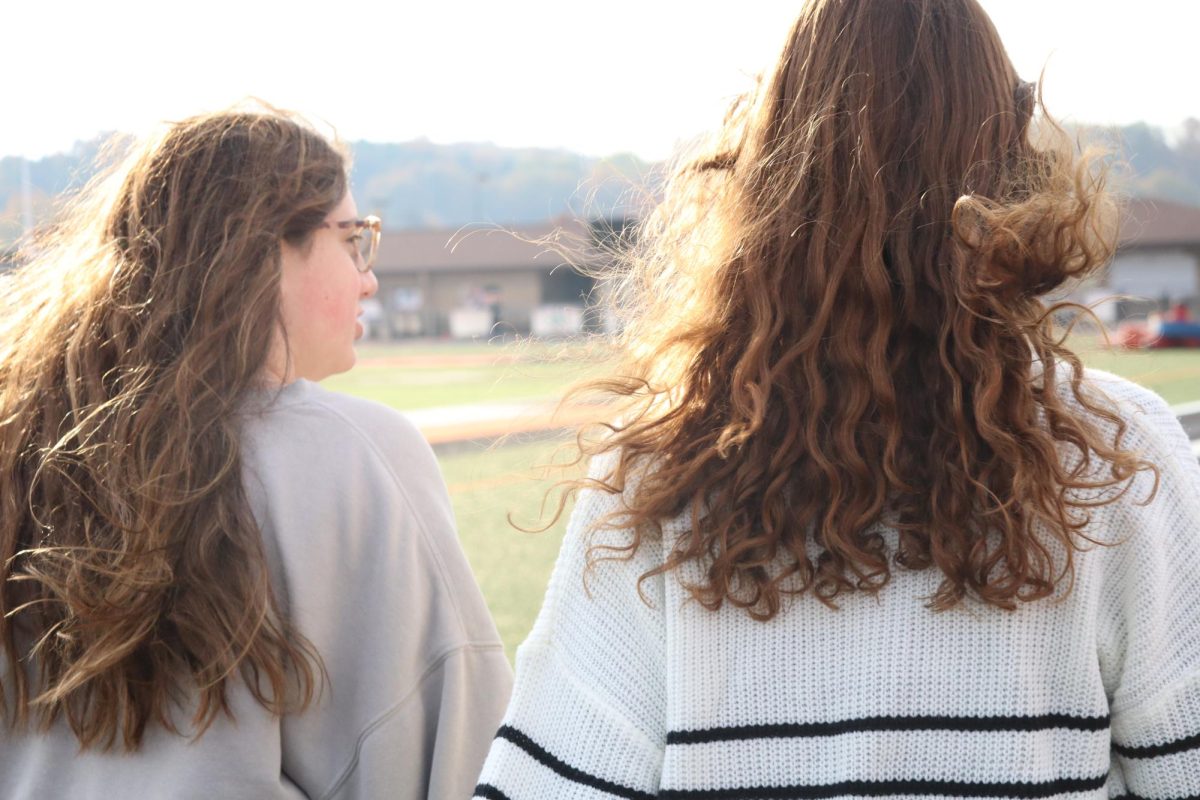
(220, 580)
(864, 525)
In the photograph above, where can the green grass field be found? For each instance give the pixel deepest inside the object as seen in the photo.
(1174, 374)
(512, 566)
(487, 484)
(415, 387)
(428, 376)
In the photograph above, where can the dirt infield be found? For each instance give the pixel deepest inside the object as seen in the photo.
(447, 426)
(439, 360)
(533, 418)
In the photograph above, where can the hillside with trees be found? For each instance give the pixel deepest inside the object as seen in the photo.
(422, 184)
(1163, 169)
(411, 185)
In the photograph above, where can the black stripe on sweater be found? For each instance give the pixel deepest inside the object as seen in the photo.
(1140, 797)
(489, 792)
(556, 764)
(1154, 751)
(786, 730)
(1020, 790)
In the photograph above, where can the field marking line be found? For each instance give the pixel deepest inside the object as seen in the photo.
(1182, 410)
(1167, 374)
(416, 361)
(1186, 409)
(536, 421)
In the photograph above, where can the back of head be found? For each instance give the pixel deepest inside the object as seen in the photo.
(903, 125)
(134, 572)
(198, 219)
(837, 321)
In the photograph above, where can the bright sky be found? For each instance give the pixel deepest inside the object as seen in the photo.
(597, 78)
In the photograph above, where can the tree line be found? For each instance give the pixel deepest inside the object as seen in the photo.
(420, 184)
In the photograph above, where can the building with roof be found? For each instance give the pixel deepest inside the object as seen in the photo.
(1158, 259)
(487, 281)
(490, 281)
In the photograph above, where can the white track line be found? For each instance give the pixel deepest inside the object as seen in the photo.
(1187, 409)
(1184, 409)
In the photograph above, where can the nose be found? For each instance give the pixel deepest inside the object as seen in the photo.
(370, 284)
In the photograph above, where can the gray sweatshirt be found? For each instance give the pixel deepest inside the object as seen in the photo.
(361, 541)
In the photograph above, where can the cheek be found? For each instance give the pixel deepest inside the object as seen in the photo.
(318, 300)
(325, 304)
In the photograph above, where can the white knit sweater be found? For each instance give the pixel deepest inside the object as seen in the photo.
(1089, 696)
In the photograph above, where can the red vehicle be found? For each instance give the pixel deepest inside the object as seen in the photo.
(1177, 330)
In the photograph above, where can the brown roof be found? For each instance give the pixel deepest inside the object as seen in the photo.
(480, 247)
(1153, 223)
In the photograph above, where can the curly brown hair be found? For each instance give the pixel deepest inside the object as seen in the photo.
(133, 569)
(834, 319)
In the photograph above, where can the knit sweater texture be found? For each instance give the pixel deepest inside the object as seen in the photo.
(1094, 693)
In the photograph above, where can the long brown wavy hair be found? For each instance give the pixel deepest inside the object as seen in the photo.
(834, 320)
(133, 571)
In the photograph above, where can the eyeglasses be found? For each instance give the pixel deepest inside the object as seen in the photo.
(369, 231)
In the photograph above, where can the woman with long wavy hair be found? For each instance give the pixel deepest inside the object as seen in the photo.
(863, 526)
(219, 579)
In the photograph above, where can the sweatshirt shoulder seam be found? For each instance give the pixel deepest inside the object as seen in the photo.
(420, 521)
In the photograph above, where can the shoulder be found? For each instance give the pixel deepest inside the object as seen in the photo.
(311, 451)
(359, 532)
(603, 565)
(1146, 587)
(309, 427)
(360, 419)
(341, 484)
(1150, 425)
(604, 615)
(1130, 397)
(1158, 509)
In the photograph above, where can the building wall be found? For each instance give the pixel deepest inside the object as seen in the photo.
(396, 296)
(1173, 274)
(514, 293)
(1139, 280)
